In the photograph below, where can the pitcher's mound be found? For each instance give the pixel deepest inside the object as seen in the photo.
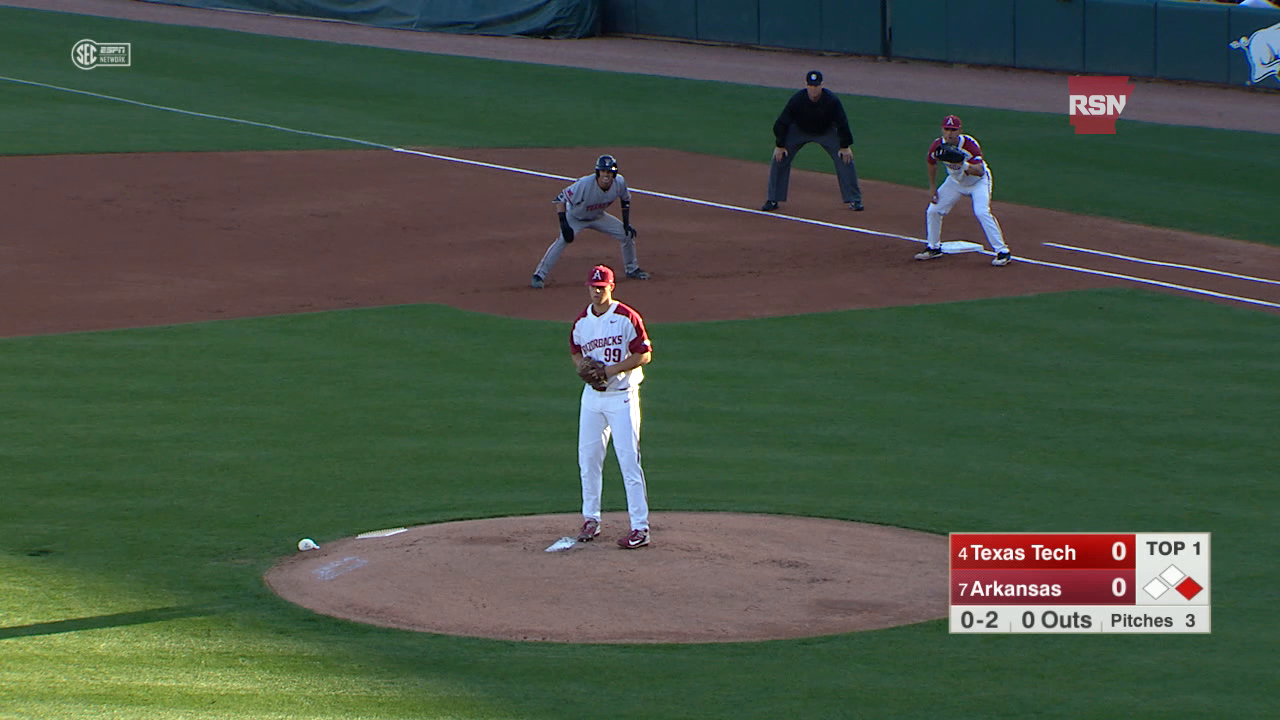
(706, 577)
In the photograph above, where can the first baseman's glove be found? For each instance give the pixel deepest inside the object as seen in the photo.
(949, 154)
(592, 373)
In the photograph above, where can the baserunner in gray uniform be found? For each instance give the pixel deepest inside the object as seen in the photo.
(582, 205)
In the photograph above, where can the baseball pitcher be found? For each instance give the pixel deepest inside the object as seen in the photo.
(609, 347)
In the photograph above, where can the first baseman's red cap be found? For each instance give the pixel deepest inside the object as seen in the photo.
(951, 121)
(601, 276)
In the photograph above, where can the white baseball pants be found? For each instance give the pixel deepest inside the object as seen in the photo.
(949, 193)
(603, 414)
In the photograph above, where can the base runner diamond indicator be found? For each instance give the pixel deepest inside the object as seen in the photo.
(1155, 589)
(1080, 583)
(1189, 588)
(1172, 575)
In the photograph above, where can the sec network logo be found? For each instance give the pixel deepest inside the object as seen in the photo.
(88, 54)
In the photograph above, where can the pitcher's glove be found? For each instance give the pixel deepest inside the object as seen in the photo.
(592, 373)
(949, 154)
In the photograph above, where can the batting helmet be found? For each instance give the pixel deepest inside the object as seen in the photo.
(607, 162)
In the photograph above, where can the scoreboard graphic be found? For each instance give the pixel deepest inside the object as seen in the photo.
(1079, 582)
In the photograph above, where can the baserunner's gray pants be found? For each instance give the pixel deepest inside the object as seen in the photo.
(607, 224)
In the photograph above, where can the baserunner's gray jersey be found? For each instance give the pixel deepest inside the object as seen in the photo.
(585, 201)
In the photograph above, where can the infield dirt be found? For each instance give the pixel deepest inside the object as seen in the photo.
(109, 241)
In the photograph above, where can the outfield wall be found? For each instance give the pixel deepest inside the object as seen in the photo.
(535, 18)
(1170, 39)
(1166, 39)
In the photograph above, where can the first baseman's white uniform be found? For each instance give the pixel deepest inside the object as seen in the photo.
(958, 184)
(615, 411)
(585, 205)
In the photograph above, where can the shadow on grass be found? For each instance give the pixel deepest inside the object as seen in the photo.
(139, 617)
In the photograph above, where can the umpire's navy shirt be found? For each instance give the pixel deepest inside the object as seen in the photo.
(815, 118)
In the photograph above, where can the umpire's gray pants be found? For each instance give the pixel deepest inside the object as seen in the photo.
(780, 170)
(607, 224)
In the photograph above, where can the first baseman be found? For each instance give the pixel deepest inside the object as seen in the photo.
(967, 174)
(582, 205)
(612, 333)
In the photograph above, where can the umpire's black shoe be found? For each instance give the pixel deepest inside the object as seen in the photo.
(769, 206)
(856, 205)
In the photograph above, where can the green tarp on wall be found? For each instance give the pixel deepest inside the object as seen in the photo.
(535, 18)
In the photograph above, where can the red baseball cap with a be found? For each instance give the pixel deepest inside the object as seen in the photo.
(951, 122)
(601, 276)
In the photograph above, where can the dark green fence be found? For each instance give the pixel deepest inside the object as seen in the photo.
(1139, 38)
(535, 18)
(841, 26)
(1205, 42)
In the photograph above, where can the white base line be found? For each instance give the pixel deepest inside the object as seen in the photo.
(694, 201)
(1148, 281)
(478, 163)
(1163, 264)
(655, 193)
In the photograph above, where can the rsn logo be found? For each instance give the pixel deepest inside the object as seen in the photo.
(1094, 103)
(1097, 104)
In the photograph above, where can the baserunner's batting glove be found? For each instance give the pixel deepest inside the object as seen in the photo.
(626, 219)
(566, 231)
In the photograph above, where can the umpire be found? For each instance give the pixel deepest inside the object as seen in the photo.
(813, 114)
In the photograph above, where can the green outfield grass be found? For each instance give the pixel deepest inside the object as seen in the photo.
(1217, 182)
(150, 476)
(154, 474)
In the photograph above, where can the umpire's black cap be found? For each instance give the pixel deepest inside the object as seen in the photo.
(813, 78)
